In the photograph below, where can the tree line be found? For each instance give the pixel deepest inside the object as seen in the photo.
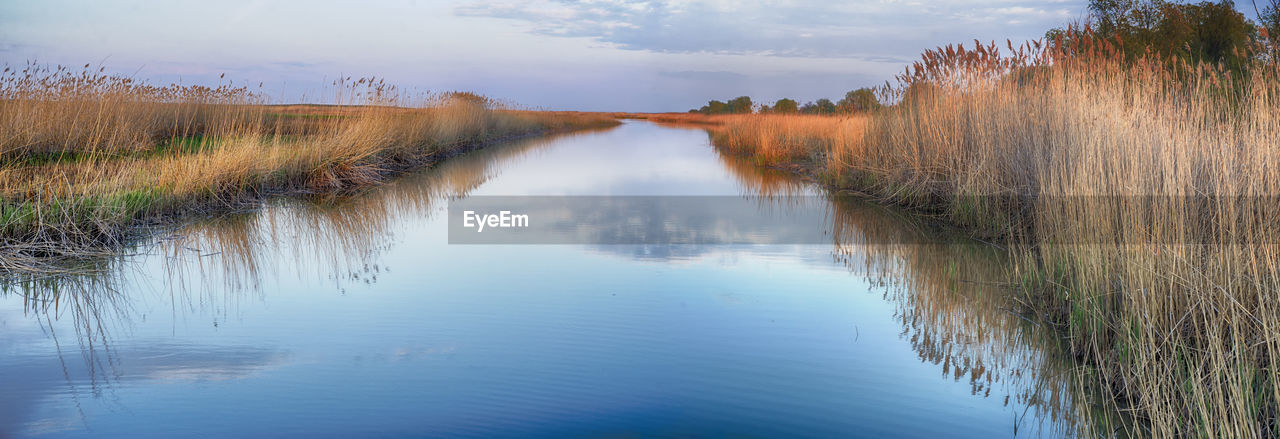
(856, 101)
(1214, 32)
(1203, 32)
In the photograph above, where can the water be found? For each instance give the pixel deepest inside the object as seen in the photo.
(355, 317)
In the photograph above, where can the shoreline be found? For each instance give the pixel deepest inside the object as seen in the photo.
(34, 256)
(1128, 350)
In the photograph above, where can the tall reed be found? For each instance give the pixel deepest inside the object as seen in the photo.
(1142, 200)
(84, 154)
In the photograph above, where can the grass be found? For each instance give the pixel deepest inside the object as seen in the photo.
(85, 155)
(687, 119)
(1139, 199)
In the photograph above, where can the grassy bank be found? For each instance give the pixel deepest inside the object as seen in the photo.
(1140, 198)
(84, 155)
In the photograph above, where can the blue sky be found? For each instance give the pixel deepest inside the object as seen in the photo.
(633, 55)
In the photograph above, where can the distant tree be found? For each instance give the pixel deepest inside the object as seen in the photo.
(715, 107)
(825, 106)
(1111, 17)
(785, 106)
(696, 110)
(856, 101)
(822, 106)
(1269, 19)
(1269, 16)
(764, 109)
(1212, 32)
(740, 105)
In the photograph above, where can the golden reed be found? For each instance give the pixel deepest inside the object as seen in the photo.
(85, 154)
(1140, 195)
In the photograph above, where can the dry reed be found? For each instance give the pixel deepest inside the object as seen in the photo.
(1140, 198)
(85, 154)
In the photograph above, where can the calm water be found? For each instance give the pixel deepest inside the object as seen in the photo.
(355, 317)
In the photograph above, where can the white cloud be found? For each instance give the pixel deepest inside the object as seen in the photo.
(883, 29)
(646, 55)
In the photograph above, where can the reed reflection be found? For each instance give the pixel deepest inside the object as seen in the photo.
(949, 297)
(209, 268)
(340, 238)
(79, 318)
(336, 237)
(953, 303)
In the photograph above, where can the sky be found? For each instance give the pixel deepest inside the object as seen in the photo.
(591, 55)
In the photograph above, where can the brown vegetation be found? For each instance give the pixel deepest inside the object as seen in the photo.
(85, 154)
(678, 118)
(1140, 198)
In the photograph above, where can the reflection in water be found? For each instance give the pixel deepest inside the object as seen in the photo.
(224, 258)
(953, 303)
(335, 237)
(88, 364)
(946, 297)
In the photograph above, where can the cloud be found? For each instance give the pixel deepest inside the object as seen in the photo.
(881, 31)
(705, 75)
(631, 54)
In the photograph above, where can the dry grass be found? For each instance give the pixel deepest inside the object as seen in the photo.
(681, 119)
(83, 155)
(775, 140)
(1141, 199)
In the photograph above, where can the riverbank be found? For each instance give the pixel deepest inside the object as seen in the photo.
(85, 155)
(1138, 198)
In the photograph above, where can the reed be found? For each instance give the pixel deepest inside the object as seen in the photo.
(1140, 198)
(682, 119)
(84, 154)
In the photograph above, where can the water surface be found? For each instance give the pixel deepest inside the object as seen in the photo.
(355, 317)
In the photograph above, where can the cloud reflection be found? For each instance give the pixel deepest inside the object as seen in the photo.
(946, 292)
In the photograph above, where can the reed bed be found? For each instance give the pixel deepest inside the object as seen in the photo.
(684, 119)
(1140, 198)
(84, 154)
